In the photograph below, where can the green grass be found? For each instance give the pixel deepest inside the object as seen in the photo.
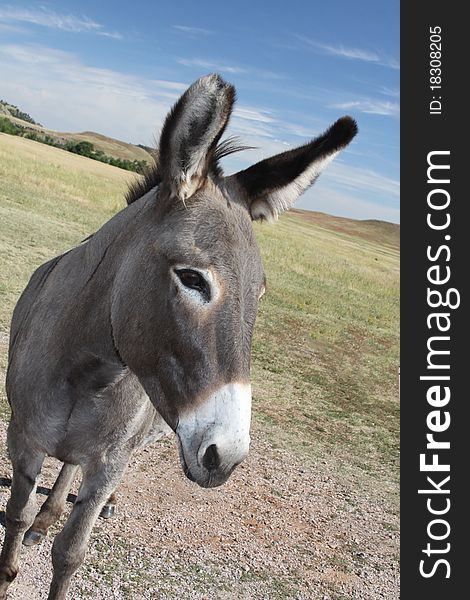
(326, 348)
(325, 352)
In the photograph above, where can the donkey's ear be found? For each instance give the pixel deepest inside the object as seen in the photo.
(191, 133)
(274, 184)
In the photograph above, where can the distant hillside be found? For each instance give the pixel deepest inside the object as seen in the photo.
(10, 110)
(107, 145)
(372, 230)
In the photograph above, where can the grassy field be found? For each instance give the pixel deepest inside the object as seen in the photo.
(325, 352)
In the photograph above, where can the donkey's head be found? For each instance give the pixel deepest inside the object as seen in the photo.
(191, 308)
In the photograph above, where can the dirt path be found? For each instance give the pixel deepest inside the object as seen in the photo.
(276, 530)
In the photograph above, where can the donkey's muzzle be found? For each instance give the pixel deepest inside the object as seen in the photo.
(214, 436)
(212, 473)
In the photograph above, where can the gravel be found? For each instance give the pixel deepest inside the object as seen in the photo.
(278, 529)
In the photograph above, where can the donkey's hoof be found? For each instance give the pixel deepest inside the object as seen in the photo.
(108, 510)
(31, 538)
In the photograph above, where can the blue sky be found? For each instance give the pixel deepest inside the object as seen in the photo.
(116, 67)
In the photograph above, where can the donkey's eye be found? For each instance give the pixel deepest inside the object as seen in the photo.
(193, 280)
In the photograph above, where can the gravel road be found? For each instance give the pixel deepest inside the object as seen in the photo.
(277, 529)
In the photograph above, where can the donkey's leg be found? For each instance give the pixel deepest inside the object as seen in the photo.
(53, 507)
(21, 506)
(68, 550)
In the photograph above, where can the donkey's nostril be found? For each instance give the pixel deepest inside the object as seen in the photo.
(211, 458)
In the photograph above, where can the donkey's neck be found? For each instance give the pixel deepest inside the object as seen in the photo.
(97, 262)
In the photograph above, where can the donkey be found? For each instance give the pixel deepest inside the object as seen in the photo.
(146, 327)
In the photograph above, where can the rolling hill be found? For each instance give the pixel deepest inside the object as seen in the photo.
(109, 146)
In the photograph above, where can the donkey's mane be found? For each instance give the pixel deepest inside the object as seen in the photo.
(151, 176)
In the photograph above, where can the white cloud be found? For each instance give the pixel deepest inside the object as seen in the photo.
(349, 53)
(354, 53)
(299, 130)
(171, 85)
(12, 28)
(193, 30)
(210, 65)
(370, 106)
(355, 178)
(253, 114)
(48, 18)
(214, 65)
(60, 91)
(386, 91)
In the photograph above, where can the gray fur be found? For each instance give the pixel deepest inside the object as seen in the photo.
(109, 350)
